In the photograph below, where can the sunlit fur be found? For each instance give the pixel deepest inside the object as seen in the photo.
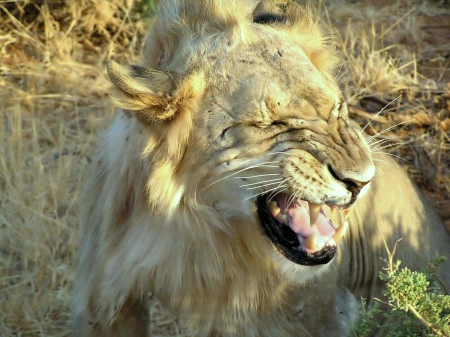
(165, 209)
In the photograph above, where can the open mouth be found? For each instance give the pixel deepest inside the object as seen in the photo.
(300, 230)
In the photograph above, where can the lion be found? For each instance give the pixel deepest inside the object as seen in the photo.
(233, 185)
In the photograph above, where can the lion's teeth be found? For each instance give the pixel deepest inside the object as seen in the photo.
(340, 231)
(311, 241)
(284, 219)
(273, 207)
(314, 211)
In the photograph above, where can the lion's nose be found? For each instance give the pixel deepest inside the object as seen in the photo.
(354, 186)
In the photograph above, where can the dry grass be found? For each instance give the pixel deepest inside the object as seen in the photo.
(400, 55)
(53, 105)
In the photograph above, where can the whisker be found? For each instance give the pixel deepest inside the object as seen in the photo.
(267, 162)
(273, 189)
(345, 79)
(382, 145)
(279, 152)
(295, 195)
(387, 146)
(379, 147)
(369, 139)
(256, 187)
(393, 155)
(290, 200)
(270, 195)
(378, 141)
(378, 168)
(340, 70)
(274, 193)
(262, 182)
(380, 112)
(257, 176)
(384, 162)
(242, 170)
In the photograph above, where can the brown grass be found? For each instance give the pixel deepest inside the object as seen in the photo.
(52, 107)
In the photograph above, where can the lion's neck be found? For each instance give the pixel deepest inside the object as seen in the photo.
(209, 268)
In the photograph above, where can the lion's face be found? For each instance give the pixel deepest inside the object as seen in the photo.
(258, 131)
(275, 133)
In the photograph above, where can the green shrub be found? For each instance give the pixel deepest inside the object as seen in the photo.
(416, 300)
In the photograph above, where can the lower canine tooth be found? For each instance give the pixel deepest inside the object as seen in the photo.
(340, 232)
(311, 241)
(284, 219)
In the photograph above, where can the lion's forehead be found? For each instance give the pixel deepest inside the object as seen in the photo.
(264, 82)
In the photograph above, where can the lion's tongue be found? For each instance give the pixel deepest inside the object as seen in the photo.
(298, 215)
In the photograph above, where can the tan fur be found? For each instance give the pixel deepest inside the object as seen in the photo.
(219, 104)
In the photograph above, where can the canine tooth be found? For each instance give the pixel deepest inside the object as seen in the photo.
(273, 207)
(314, 211)
(340, 231)
(311, 241)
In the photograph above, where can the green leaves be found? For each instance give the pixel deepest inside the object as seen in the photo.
(416, 305)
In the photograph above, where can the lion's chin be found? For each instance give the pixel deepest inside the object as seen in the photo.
(301, 231)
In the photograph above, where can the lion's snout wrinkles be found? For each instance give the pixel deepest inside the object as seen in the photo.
(332, 162)
(351, 162)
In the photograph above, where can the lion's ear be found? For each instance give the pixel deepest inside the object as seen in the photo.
(151, 94)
